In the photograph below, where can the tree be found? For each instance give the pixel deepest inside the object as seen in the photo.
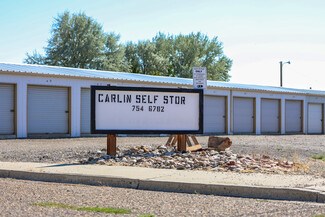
(175, 56)
(79, 41)
(35, 58)
(194, 49)
(132, 57)
(114, 52)
(145, 58)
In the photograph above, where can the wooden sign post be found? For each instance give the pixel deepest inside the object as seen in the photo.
(183, 142)
(111, 144)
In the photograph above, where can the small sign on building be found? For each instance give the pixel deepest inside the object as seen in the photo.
(199, 77)
(141, 110)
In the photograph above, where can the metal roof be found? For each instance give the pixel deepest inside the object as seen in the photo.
(89, 73)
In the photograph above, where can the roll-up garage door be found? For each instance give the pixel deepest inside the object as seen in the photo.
(85, 110)
(214, 114)
(7, 106)
(270, 115)
(315, 118)
(243, 115)
(47, 110)
(293, 116)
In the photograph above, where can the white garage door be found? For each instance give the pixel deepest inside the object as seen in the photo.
(7, 106)
(214, 114)
(244, 115)
(293, 116)
(85, 110)
(270, 115)
(315, 118)
(47, 110)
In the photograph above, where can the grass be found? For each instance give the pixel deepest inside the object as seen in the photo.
(146, 215)
(322, 215)
(261, 200)
(88, 209)
(319, 157)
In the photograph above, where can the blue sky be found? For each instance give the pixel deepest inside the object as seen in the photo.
(256, 34)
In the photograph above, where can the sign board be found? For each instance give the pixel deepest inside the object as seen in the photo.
(199, 77)
(133, 110)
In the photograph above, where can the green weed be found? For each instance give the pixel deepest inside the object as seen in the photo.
(319, 157)
(88, 209)
(261, 200)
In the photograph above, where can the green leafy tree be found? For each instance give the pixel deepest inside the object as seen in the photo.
(150, 59)
(79, 41)
(146, 59)
(131, 56)
(194, 50)
(114, 52)
(35, 58)
(175, 56)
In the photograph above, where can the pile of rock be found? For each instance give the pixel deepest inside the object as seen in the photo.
(212, 160)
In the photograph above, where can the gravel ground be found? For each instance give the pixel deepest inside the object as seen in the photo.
(290, 147)
(54, 150)
(16, 197)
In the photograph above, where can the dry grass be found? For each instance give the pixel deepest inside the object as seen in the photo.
(301, 167)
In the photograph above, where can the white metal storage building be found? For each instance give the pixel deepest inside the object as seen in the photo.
(38, 100)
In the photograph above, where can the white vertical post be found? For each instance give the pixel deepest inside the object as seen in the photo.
(75, 110)
(21, 109)
(258, 115)
(283, 113)
(230, 113)
(304, 116)
(323, 118)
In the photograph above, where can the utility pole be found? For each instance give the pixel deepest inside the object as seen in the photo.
(280, 73)
(281, 64)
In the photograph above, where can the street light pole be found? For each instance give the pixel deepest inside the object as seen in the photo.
(281, 64)
(280, 73)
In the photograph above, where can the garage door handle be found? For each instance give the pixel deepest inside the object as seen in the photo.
(252, 116)
(12, 110)
(224, 116)
(66, 111)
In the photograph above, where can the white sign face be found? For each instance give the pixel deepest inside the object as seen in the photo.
(199, 77)
(137, 110)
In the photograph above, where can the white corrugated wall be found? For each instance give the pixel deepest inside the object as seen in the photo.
(85, 111)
